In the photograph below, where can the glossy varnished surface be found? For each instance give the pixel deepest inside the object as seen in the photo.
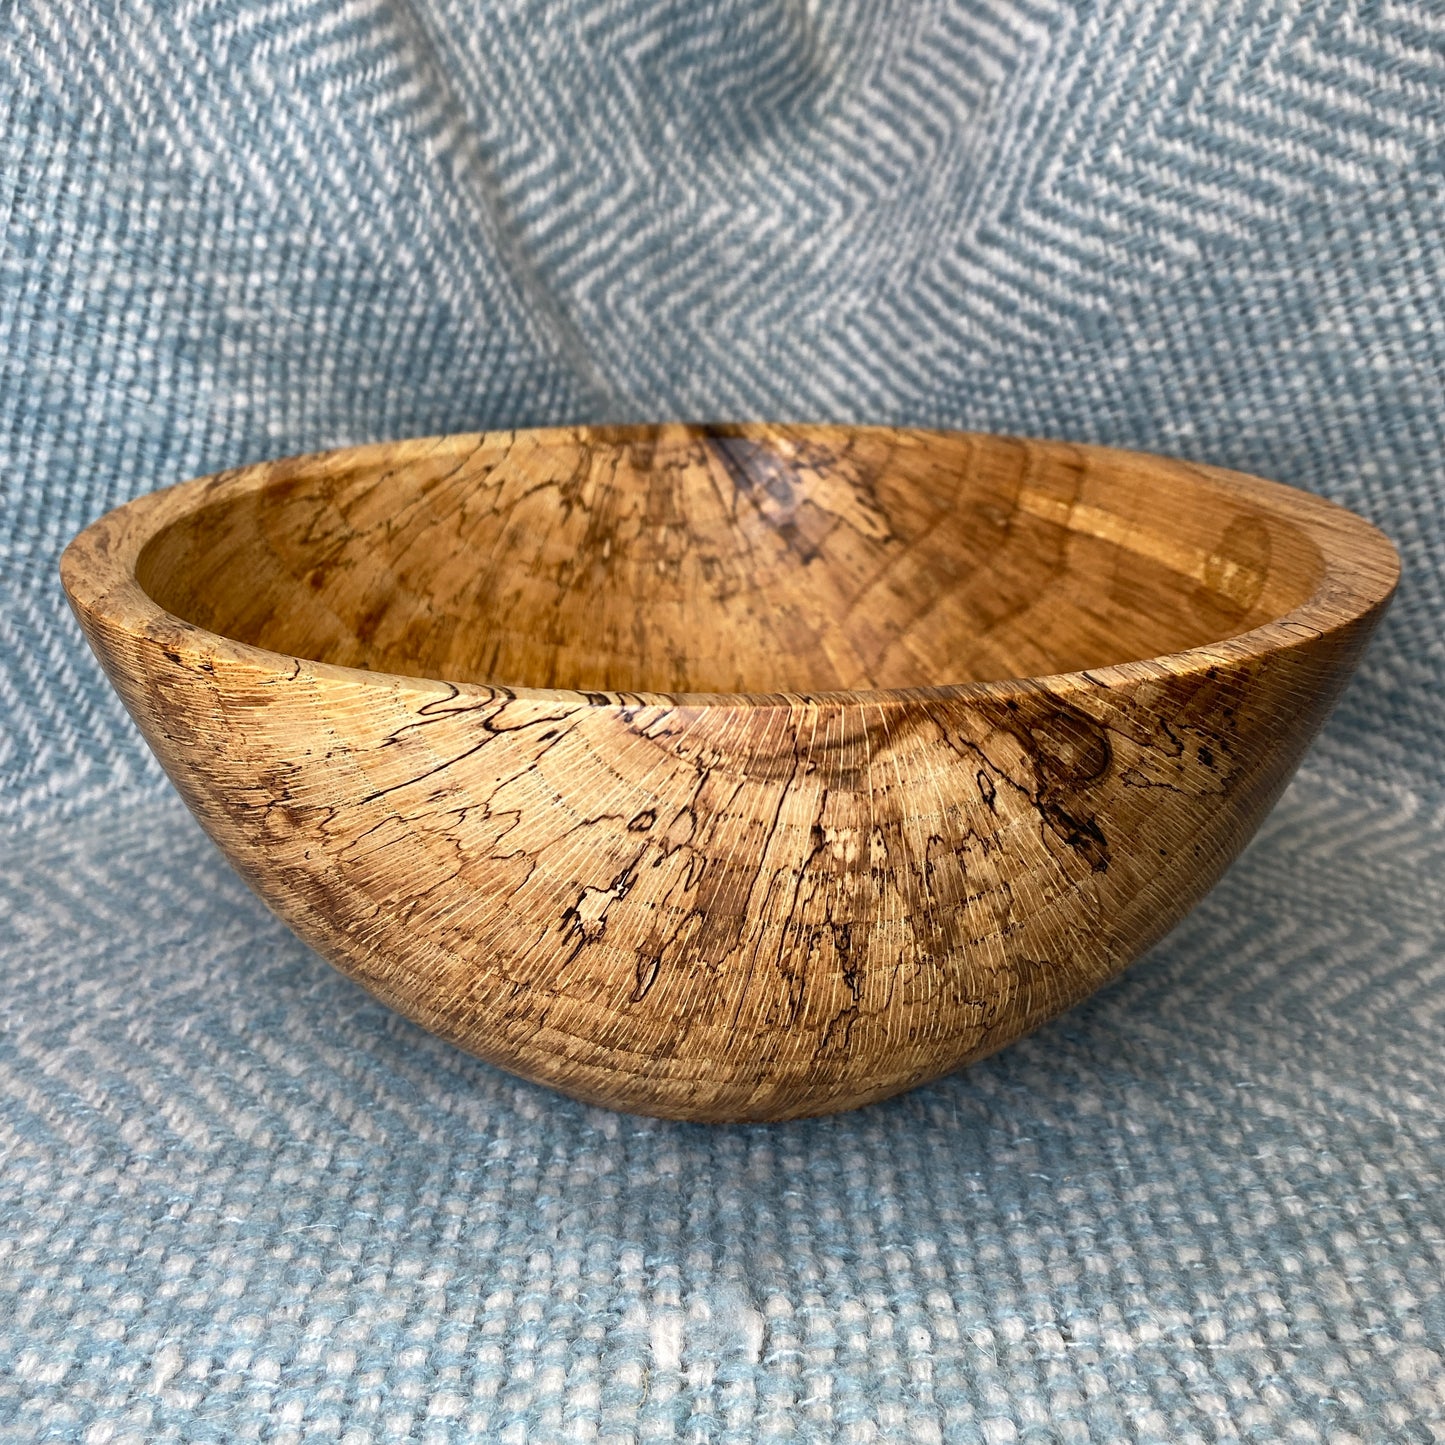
(681, 768)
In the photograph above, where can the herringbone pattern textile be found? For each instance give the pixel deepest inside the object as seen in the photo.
(238, 1199)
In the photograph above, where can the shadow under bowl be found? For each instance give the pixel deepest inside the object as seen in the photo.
(738, 772)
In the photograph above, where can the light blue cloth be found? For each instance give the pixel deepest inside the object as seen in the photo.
(239, 1199)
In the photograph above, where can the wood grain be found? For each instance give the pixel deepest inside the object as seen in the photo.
(734, 772)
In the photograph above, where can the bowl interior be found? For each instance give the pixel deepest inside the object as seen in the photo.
(745, 559)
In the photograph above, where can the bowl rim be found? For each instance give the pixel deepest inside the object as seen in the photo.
(1359, 574)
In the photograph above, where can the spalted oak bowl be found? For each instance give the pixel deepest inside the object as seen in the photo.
(731, 772)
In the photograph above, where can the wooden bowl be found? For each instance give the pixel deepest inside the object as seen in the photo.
(735, 772)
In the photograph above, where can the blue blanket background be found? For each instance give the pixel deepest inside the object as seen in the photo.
(240, 1200)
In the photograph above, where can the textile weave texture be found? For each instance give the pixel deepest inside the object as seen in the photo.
(241, 1200)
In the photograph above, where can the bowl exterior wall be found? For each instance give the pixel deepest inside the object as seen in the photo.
(747, 910)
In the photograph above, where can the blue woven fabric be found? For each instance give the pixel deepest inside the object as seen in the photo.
(238, 1199)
